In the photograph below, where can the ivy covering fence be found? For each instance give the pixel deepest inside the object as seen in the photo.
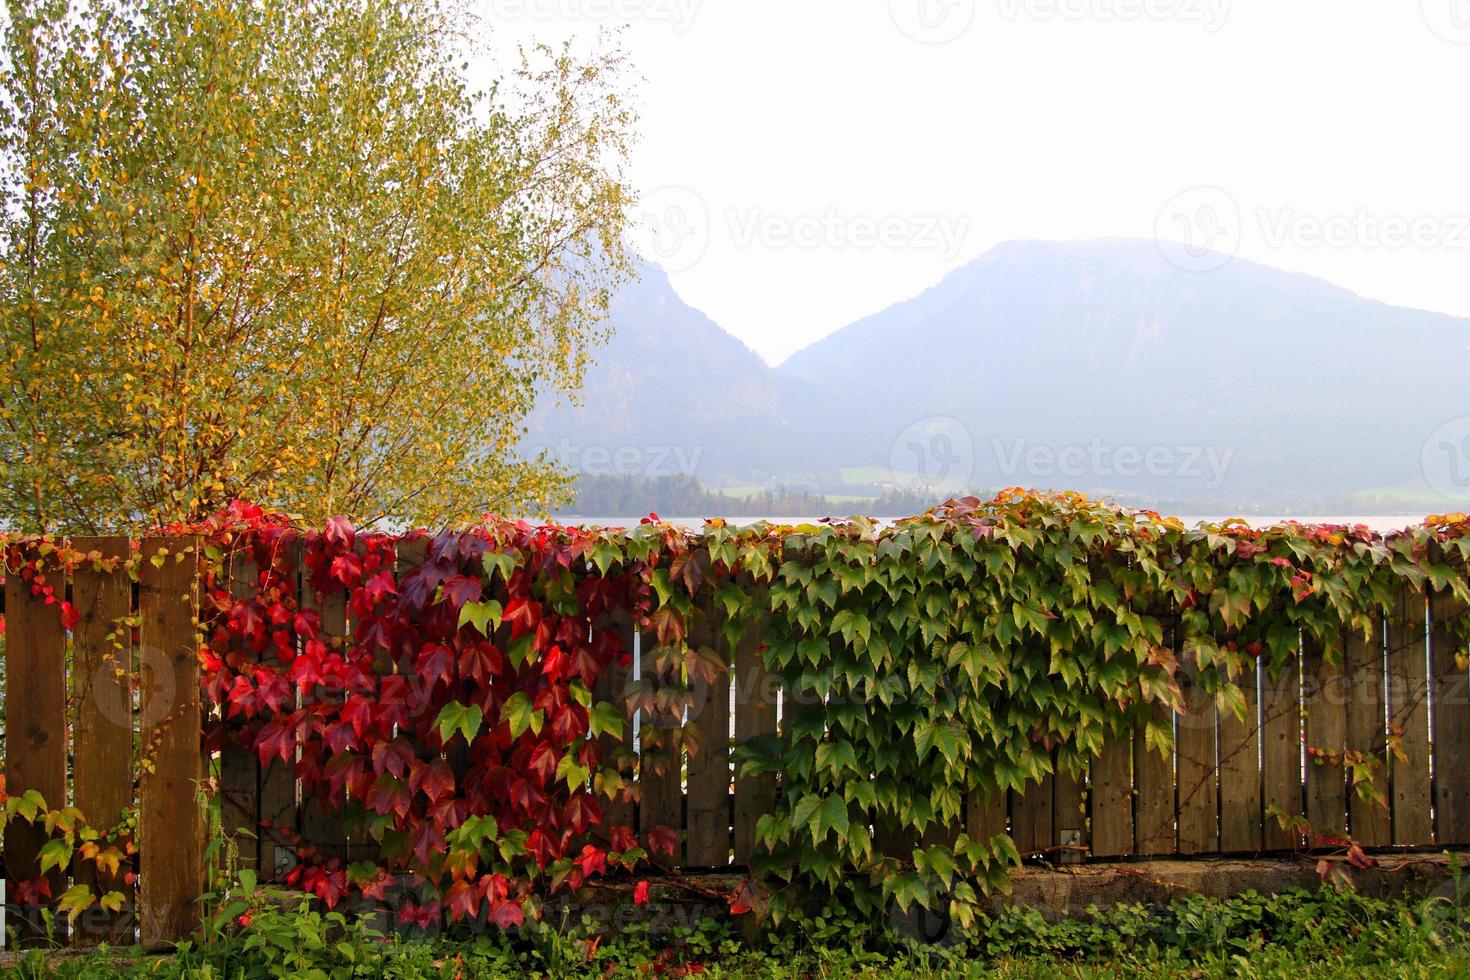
(915, 705)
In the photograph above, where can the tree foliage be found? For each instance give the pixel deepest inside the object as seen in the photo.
(281, 250)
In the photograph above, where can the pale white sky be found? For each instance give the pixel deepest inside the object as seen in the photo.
(808, 162)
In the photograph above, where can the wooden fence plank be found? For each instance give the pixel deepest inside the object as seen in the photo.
(708, 844)
(1111, 798)
(1363, 659)
(1240, 773)
(1031, 816)
(1409, 701)
(660, 764)
(1069, 819)
(171, 853)
(1451, 724)
(279, 800)
(1153, 773)
(35, 731)
(321, 826)
(358, 842)
(986, 815)
(239, 767)
(102, 732)
(1153, 780)
(1196, 774)
(612, 686)
(1325, 703)
(944, 835)
(1281, 748)
(756, 695)
(891, 840)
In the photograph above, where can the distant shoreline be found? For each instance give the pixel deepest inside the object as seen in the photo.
(1381, 523)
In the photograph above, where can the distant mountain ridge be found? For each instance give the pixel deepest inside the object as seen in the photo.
(1091, 365)
(671, 394)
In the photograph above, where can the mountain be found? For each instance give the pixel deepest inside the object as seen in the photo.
(1301, 391)
(1091, 365)
(670, 394)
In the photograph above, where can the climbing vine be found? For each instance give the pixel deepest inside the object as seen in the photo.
(455, 722)
(980, 647)
(451, 696)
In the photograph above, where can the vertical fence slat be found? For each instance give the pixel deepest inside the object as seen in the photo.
(708, 845)
(102, 758)
(1111, 798)
(1451, 724)
(1031, 816)
(1281, 747)
(755, 715)
(612, 686)
(239, 767)
(357, 842)
(985, 815)
(321, 826)
(660, 765)
(35, 730)
(1194, 749)
(1154, 773)
(938, 834)
(1069, 819)
(1363, 659)
(1326, 728)
(891, 840)
(171, 853)
(1153, 776)
(1409, 699)
(278, 803)
(1240, 773)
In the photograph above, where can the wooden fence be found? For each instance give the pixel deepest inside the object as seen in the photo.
(76, 724)
(1405, 688)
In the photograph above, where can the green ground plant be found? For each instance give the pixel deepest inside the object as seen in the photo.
(1299, 934)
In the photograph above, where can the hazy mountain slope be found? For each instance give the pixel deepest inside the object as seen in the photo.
(1308, 391)
(670, 391)
(1246, 384)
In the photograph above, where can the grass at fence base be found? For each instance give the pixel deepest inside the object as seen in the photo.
(1297, 934)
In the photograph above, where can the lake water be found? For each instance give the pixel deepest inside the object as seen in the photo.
(1378, 522)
